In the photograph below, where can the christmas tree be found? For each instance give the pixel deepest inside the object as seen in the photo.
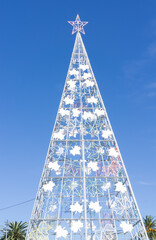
(84, 192)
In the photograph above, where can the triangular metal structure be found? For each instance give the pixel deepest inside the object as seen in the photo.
(84, 192)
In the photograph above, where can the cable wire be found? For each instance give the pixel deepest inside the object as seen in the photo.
(15, 205)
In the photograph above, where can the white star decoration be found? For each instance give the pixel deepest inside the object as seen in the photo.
(120, 187)
(77, 25)
(59, 135)
(60, 232)
(76, 112)
(55, 166)
(84, 67)
(106, 186)
(76, 226)
(106, 133)
(113, 152)
(64, 112)
(92, 100)
(48, 186)
(76, 208)
(95, 206)
(75, 150)
(68, 100)
(126, 227)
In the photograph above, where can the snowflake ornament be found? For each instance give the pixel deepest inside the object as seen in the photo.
(68, 100)
(75, 150)
(64, 112)
(55, 166)
(86, 75)
(89, 83)
(61, 232)
(71, 85)
(106, 186)
(83, 67)
(60, 151)
(92, 100)
(76, 208)
(74, 72)
(120, 187)
(93, 166)
(112, 152)
(106, 133)
(99, 112)
(89, 115)
(76, 112)
(48, 186)
(76, 226)
(95, 206)
(126, 227)
(59, 135)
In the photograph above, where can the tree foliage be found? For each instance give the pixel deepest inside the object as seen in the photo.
(15, 231)
(150, 225)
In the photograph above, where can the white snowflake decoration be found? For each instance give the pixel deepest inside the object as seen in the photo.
(55, 166)
(92, 100)
(59, 135)
(120, 187)
(76, 208)
(60, 151)
(112, 152)
(71, 85)
(106, 186)
(74, 72)
(61, 232)
(89, 83)
(86, 76)
(68, 100)
(76, 226)
(106, 133)
(64, 112)
(75, 150)
(95, 206)
(89, 115)
(48, 186)
(99, 112)
(84, 67)
(93, 166)
(76, 112)
(126, 227)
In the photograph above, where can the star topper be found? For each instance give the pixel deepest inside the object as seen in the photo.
(77, 25)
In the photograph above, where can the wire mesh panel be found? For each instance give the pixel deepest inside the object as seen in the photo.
(84, 192)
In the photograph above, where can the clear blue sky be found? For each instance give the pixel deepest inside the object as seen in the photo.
(35, 50)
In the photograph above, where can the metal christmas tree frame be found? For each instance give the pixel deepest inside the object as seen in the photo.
(84, 192)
